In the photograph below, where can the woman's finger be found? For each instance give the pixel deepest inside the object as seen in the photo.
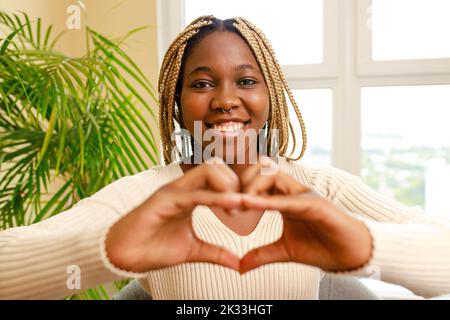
(249, 174)
(253, 181)
(259, 185)
(300, 206)
(279, 183)
(274, 252)
(206, 252)
(264, 167)
(216, 166)
(212, 175)
(227, 200)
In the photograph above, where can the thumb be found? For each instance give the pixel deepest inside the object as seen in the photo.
(274, 252)
(207, 252)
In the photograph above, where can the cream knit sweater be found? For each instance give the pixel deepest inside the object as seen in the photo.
(411, 248)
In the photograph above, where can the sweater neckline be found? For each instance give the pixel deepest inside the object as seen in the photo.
(254, 232)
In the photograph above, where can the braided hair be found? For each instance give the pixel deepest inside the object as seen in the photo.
(171, 75)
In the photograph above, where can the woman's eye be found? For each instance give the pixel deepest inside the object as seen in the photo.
(200, 85)
(247, 82)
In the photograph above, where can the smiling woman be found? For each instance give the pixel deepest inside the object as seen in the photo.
(217, 230)
(243, 74)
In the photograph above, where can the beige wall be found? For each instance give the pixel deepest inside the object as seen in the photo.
(111, 18)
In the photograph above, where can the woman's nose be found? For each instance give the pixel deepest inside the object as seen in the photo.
(226, 98)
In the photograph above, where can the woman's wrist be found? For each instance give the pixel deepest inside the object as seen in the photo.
(362, 255)
(367, 247)
(113, 264)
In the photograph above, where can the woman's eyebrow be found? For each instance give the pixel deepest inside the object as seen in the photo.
(244, 66)
(237, 68)
(200, 69)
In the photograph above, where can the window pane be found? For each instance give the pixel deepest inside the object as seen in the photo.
(316, 106)
(406, 144)
(410, 29)
(293, 27)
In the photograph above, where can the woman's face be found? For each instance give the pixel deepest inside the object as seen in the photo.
(222, 72)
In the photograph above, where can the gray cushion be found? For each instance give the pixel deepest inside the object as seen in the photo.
(331, 288)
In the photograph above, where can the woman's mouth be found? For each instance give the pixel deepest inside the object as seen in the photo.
(229, 128)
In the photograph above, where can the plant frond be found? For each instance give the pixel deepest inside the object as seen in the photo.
(76, 120)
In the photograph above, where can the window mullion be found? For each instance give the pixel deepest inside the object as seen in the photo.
(346, 146)
(170, 17)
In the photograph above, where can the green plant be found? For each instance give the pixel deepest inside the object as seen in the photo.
(78, 120)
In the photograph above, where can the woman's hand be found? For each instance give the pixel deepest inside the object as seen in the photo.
(315, 231)
(159, 232)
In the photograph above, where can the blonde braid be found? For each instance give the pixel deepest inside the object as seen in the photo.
(278, 72)
(170, 70)
(273, 113)
(280, 120)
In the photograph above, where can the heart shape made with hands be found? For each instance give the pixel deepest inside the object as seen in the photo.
(315, 231)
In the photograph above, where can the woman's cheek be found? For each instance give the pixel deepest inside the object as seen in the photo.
(195, 107)
(260, 102)
(192, 113)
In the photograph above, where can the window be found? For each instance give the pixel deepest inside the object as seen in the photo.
(404, 140)
(401, 29)
(304, 16)
(315, 106)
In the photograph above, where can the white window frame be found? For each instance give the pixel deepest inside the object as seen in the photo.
(369, 67)
(347, 67)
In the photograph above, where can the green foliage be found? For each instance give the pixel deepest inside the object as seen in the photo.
(414, 193)
(401, 170)
(74, 119)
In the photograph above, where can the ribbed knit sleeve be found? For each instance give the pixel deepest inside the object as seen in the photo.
(411, 247)
(37, 261)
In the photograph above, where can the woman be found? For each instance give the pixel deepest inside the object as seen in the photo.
(222, 228)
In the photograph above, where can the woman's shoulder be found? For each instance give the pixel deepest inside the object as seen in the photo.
(158, 174)
(128, 191)
(139, 185)
(151, 178)
(324, 178)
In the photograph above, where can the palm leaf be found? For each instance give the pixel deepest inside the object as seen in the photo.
(79, 120)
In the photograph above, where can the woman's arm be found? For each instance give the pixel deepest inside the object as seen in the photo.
(411, 247)
(133, 224)
(35, 260)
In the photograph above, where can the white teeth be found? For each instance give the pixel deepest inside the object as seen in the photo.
(228, 126)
